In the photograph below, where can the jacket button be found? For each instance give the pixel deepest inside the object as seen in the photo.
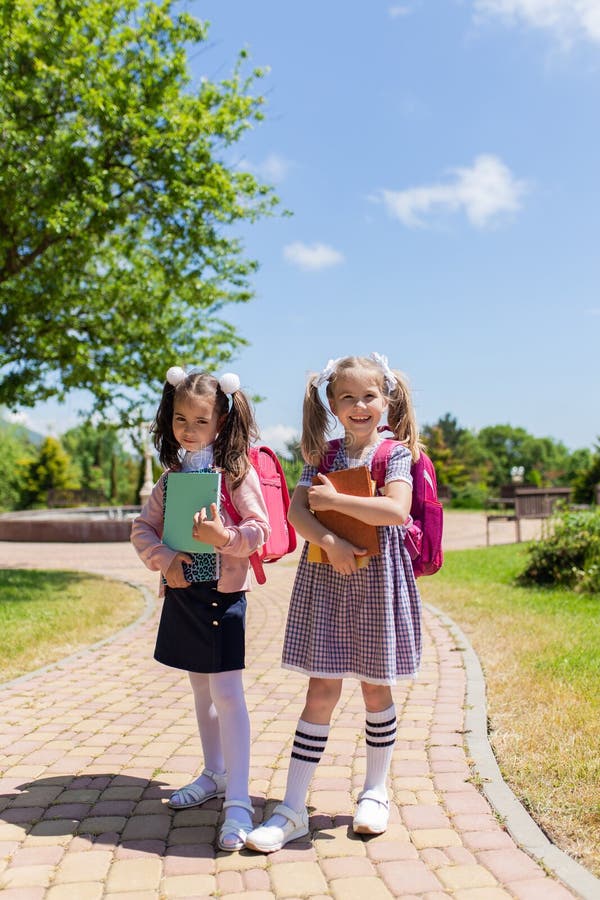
(215, 604)
(215, 622)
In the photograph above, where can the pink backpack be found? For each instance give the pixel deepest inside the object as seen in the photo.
(423, 538)
(274, 489)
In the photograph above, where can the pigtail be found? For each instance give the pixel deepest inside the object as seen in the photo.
(162, 429)
(238, 431)
(401, 415)
(316, 419)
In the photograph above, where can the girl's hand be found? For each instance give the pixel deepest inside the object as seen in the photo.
(342, 556)
(210, 531)
(322, 496)
(174, 574)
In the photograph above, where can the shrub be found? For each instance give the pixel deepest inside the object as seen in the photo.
(569, 556)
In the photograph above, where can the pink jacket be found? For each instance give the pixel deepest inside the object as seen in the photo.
(244, 539)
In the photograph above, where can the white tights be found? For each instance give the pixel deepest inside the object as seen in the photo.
(224, 727)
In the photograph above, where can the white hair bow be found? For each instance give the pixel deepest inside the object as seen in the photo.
(388, 375)
(326, 373)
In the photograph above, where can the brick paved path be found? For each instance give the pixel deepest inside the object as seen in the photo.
(95, 745)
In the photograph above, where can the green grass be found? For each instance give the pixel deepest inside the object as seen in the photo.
(540, 651)
(45, 616)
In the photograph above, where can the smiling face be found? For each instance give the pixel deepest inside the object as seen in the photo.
(357, 400)
(196, 421)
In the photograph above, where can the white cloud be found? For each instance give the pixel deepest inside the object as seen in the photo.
(277, 436)
(397, 11)
(312, 256)
(483, 192)
(17, 418)
(274, 168)
(568, 19)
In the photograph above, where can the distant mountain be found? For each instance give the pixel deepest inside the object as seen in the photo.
(34, 436)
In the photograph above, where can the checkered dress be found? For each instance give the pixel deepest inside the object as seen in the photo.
(366, 625)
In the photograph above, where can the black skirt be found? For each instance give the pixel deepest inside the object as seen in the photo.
(202, 629)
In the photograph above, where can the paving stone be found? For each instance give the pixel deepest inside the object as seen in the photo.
(188, 886)
(435, 837)
(287, 877)
(83, 867)
(338, 842)
(359, 888)
(84, 891)
(134, 874)
(455, 877)
(408, 876)
(509, 865)
(26, 876)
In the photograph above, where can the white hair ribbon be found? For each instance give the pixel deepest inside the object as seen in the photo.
(388, 375)
(326, 373)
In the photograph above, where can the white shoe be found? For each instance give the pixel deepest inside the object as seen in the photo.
(194, 795)
(233, 828)
(267, 838)
(372, 814)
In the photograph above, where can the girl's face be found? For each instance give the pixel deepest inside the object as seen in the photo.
(358, 403)
(196, 422)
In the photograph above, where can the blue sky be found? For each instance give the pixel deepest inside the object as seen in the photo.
(441, 161)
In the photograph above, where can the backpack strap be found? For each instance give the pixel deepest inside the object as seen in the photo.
(255, 562)
(328, 460)
(380, 460)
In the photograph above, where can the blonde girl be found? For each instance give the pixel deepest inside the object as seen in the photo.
(347, 621)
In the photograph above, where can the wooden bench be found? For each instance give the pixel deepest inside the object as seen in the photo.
(527, 503)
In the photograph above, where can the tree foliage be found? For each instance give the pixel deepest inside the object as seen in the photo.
(51, 469)
(102, 464)
(116, 200)
(17, 452)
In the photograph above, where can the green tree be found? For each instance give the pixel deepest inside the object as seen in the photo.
(50, 469)
(102, 465)
(17, 452)
(116, 200)
(587, 476)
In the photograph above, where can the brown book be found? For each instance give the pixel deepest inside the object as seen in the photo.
(357, 482)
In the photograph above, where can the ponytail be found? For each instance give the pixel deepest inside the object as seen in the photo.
(401, 415)
(316, 422)
(237, 433)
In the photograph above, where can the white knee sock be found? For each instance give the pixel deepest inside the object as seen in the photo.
(208, 725)
(307, 750)
(380, 728)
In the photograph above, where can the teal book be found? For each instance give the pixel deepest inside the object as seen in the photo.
(185, 495)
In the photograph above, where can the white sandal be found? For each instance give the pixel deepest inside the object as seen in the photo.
(234, 827)
(194, 795)
(372, 817)
(267, 838)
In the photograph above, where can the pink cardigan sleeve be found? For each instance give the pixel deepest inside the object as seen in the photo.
(146, 532)
(253, 530)
(244, 538)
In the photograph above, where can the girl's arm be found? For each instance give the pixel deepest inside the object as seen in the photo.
(146, 537)
(342, 554)
(247, 536)
(393, 508)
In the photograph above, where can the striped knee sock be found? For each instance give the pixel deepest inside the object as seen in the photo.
(380, 728)
(307, 750)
